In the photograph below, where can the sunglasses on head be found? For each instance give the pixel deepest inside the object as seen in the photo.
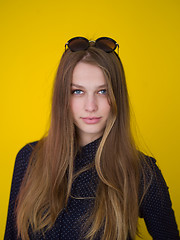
(80, 43)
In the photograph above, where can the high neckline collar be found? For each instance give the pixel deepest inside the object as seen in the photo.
(92, 144)
(86, 154)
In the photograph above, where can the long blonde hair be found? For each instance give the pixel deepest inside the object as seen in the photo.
(45, 188)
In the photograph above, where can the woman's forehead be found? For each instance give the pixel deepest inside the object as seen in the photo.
(85, 74)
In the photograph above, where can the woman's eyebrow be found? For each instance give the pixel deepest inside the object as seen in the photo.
(102, 86)
(76, 85)
(80, 86)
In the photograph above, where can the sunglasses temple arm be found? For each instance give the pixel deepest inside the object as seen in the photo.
(66, 45)
(118, 48)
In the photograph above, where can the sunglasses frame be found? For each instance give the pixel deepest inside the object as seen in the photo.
(116, 45)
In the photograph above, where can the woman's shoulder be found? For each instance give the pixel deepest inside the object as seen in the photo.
(22, 159)
(26, 149)
(151, 175)
(149, 164)
(25, 152)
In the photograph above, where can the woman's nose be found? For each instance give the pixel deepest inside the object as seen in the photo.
(91, 104)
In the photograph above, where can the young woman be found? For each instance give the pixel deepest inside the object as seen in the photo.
(86, 179)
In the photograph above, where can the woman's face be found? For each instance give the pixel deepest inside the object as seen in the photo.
(89, 102)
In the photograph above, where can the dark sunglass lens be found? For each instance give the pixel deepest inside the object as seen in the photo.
(108, 45)
(78, 44)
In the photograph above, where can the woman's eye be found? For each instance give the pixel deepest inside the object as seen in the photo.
(103, 91)
(77, 92)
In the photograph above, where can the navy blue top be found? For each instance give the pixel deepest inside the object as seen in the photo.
(156, 207)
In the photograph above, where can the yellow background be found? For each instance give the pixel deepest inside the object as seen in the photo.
(32, 38)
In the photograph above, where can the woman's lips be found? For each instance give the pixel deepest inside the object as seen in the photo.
(91, 120)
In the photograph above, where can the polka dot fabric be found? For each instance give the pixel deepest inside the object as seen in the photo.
(156, 207)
